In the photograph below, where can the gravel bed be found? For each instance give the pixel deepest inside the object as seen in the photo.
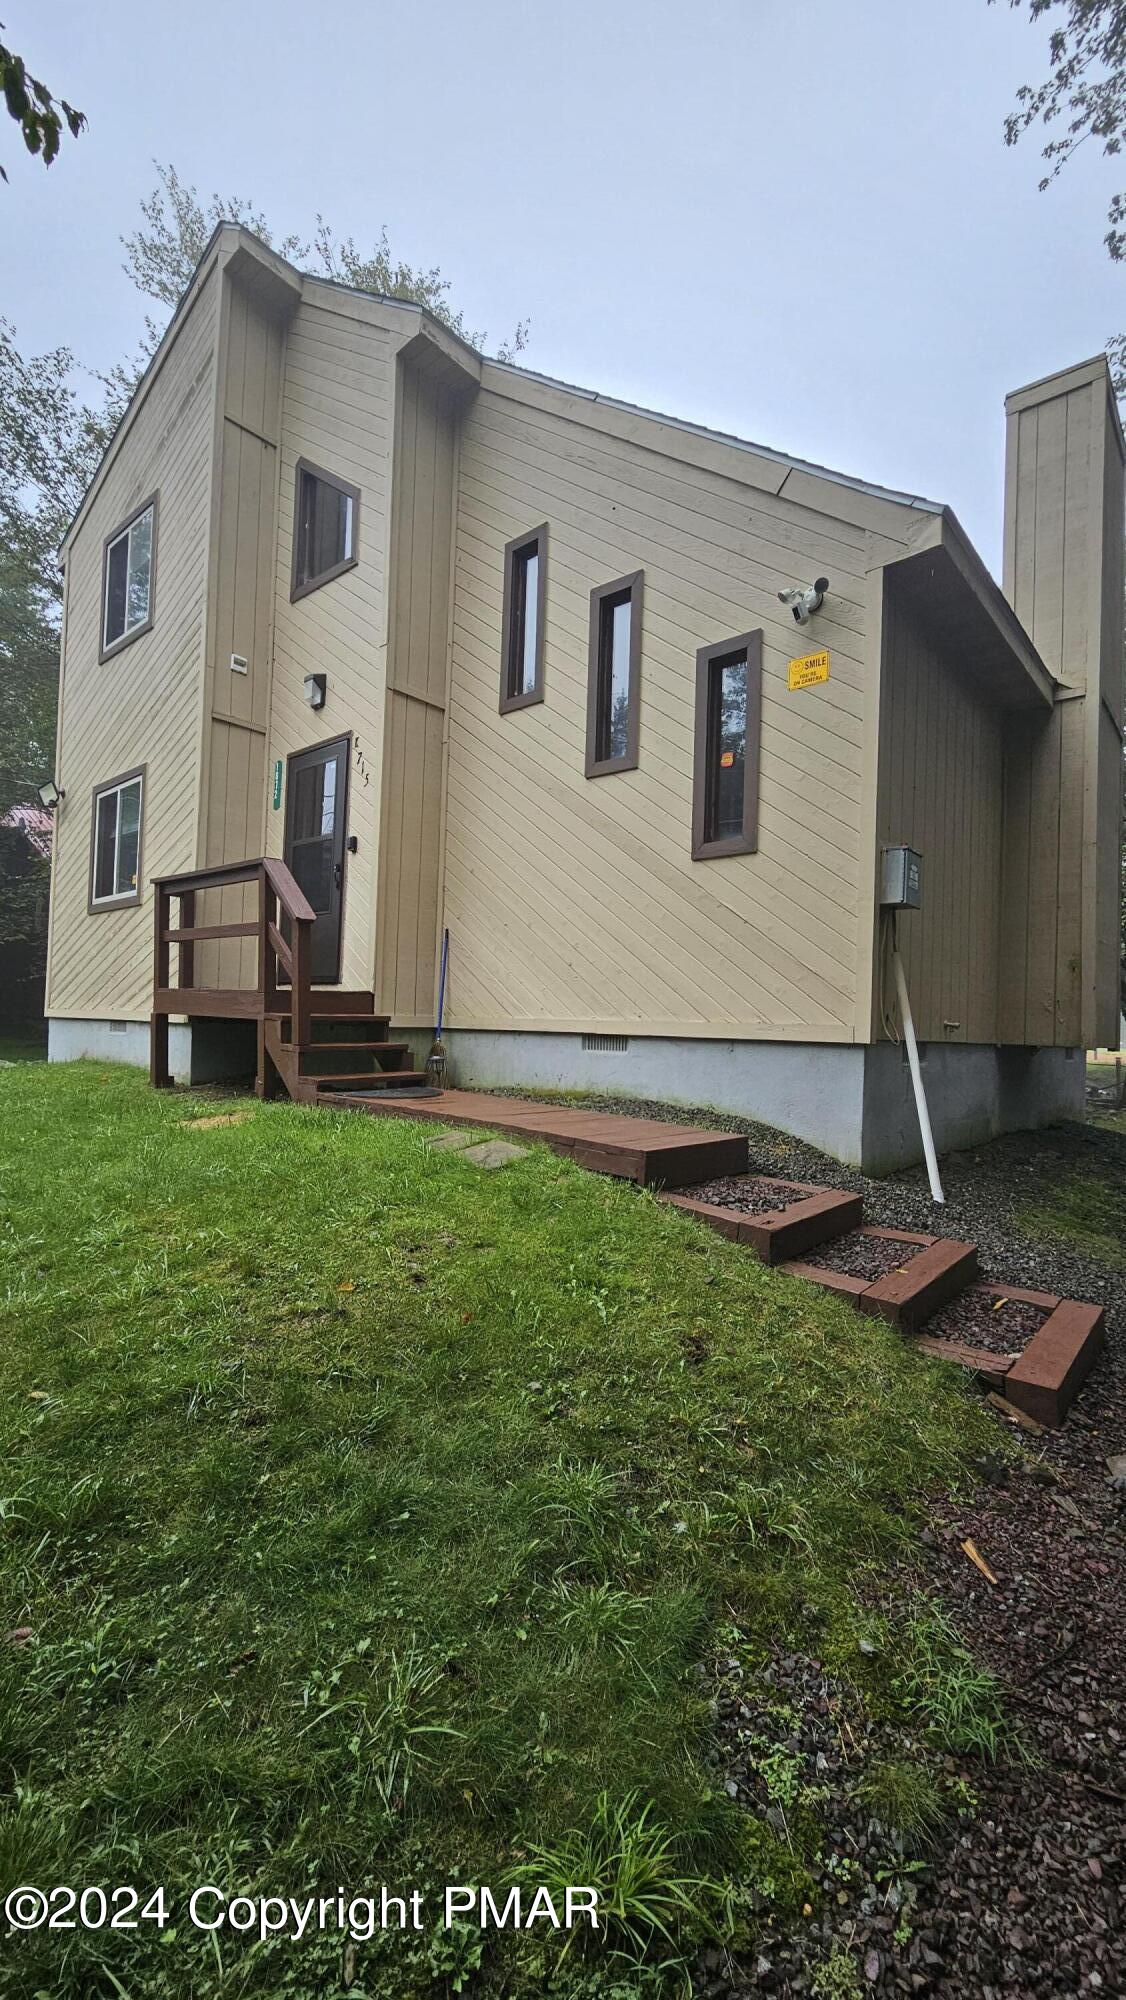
(971, 1318)
(746, 1195)
(869, 1257)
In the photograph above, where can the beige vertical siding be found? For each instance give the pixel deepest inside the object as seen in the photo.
(410, 841)
(574, 902)
(240, 622)
(941, 791)
(338, 411)
(143, 705)
(1063, 575)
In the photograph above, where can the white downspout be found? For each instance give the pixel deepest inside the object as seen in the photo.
(916, 1074)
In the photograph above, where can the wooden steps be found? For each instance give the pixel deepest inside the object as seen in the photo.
(346, 1048)
(1042, 1380)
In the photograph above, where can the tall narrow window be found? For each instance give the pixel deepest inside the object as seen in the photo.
(128, 566)
(522, 620)
(326, 519)
(613, 702)
(728, 723)
(115, 858)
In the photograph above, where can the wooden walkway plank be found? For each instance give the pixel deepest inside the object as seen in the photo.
(646, 1150)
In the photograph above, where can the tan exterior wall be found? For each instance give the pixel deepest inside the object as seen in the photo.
(575, 903)
(1063, 576)
(941, 791)
(425, 482)
(338, 406)
(240, 618)
(143, 705)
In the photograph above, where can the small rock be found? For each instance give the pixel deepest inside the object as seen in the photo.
(872, 1966)
(494, 1153)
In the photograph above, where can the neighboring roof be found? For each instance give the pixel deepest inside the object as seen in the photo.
(34, 823)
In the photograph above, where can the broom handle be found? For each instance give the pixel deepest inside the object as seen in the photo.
(442, 979)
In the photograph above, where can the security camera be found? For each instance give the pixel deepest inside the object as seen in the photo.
(803, 603)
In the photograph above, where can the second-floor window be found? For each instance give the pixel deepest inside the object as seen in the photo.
(728, 710)
(522, 640)
(614, 677)
(326, 519)
(127, 579)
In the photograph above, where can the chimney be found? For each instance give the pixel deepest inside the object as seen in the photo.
(1063, 575)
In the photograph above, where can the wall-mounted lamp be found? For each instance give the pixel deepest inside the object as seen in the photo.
(50, 794)
(315, 685)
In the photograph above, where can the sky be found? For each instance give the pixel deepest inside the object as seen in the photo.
(795, 220)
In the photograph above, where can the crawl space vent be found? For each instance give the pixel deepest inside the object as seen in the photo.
(607, 1044)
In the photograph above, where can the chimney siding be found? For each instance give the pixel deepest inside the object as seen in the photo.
(1063, 575)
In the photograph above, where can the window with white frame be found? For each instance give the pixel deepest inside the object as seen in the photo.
(127, 579)
(116, 860)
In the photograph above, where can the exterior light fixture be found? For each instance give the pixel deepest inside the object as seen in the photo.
(50, 794)
(315, 685)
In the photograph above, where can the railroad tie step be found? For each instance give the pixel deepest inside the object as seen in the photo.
(927, 1282)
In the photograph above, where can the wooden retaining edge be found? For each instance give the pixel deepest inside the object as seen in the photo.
(1042, 1382)
(1048, 1376)
(929, 1281)
(993, 1368)
(783, 1233)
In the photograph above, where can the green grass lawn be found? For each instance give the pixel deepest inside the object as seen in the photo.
(372, 1516)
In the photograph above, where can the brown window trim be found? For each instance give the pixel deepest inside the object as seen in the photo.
(512, 549)
(745, 842)
(138, 632)
(97, 909)
(634, 585)
(334, 480)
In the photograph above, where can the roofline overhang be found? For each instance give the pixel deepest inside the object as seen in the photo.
(948, 580)
(270, 275)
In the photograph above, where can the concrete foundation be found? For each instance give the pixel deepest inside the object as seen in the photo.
(855, 1102)
(198, 1051)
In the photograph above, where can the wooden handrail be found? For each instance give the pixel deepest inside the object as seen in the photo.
(292, 899)
(280, 901)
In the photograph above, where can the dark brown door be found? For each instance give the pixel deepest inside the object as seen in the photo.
(316, 803)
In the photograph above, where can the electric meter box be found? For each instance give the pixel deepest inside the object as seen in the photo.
(901, 887)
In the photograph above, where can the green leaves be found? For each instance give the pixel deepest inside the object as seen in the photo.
(39, 116)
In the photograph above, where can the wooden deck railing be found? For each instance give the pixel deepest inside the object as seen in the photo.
(280, 901)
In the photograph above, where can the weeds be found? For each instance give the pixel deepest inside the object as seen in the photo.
(941, 1682)
(905, 1797)
(645, 1896)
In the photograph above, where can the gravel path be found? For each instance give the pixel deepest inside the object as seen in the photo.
(745, 1194)
(976, 1319)
(869, 1257)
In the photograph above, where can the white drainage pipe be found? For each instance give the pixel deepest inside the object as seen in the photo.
(917, 1078)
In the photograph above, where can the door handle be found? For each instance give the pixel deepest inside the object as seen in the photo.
(338, 873)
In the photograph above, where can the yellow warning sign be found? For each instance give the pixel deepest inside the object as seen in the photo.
(806, 673)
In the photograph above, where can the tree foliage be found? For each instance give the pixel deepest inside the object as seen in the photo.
(177, 225)
(1083, 95)
(56, 421)
(39, 115)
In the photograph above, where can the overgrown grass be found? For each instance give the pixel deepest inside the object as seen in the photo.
(370, 1515)
(1087, 1211)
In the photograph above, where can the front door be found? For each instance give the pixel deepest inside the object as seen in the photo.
(316, 800)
